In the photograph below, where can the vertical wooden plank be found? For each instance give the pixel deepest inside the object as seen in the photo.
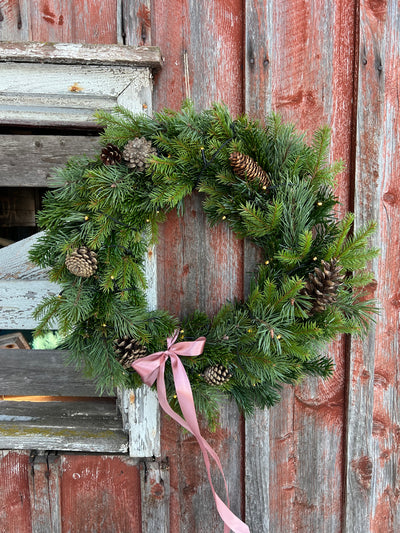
(88, 21)
(44, 488)
(201, 43)
(100, 493)
(15, 20)
(136, 22)
(299, 61)
(15, 511)
(198, 266)
(154, 483)
(373, 449)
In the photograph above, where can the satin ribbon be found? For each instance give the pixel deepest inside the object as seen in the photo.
(152, 368)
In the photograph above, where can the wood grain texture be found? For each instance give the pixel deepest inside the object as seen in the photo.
(141, 418)
(15, 512)
(100, 494)
(22, 374)
(155, 486)
(15, 264)
(68, 95)
(19, 299)
(136, 20)
(201, 45)
(84, 54)
(202, 51)
(299, 61)
(88, 21)
(14, 20)
(30, 160)
(373, 445)
(63, 426)
(44, 489)
(198, 266)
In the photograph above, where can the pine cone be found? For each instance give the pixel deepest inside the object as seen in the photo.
(322, 285)
(127, 350)
(111, 154)
(216, 375)
(82, 262)
(245, 167)
(137, 152)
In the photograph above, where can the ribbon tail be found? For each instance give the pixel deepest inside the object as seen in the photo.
(185, 398)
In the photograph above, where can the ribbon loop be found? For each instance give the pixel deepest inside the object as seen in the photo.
(152, 368)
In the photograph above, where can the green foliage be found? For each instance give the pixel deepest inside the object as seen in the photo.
(272, 338)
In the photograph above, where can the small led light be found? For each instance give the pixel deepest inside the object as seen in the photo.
(315, 258)
(279, 336)
(264, 187)
(182, 331)
(266, 262)
(86, 217)
(104, 325)
(249, 331)
(147, 220)
(112, 277)
(224, 217)
(319, 203)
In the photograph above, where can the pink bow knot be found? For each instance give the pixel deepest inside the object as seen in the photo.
(152, 368)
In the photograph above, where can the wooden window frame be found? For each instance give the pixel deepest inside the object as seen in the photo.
(70, 81)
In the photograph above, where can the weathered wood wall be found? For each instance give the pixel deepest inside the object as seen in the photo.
(327, 458)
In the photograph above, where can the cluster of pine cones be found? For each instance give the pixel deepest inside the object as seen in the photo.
(136, 154)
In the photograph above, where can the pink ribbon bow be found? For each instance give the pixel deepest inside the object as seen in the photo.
(151, 368)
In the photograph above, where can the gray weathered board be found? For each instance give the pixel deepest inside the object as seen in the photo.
(31, 160)
(62, 85)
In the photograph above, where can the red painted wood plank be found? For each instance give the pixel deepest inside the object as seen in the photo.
(15, 510)
(300, 62)
(100, 493)
(201, 44)
(87, 21)
(373, 443)
(199, 267)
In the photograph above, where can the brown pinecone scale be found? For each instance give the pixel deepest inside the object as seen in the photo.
(111, 154)
(216, 375)
(245, 167)
(137, 153)
(127, 350)
(322, 285)
(82, 262)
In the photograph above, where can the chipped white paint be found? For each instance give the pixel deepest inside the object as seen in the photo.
(18, 300)
(81, 53)
(65, 89)
(68, 95)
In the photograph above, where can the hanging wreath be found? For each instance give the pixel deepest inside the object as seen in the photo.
(270, 187)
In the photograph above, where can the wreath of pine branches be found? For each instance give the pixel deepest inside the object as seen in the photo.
(263, 180)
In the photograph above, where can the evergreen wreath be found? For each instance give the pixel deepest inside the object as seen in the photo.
(263, 180)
